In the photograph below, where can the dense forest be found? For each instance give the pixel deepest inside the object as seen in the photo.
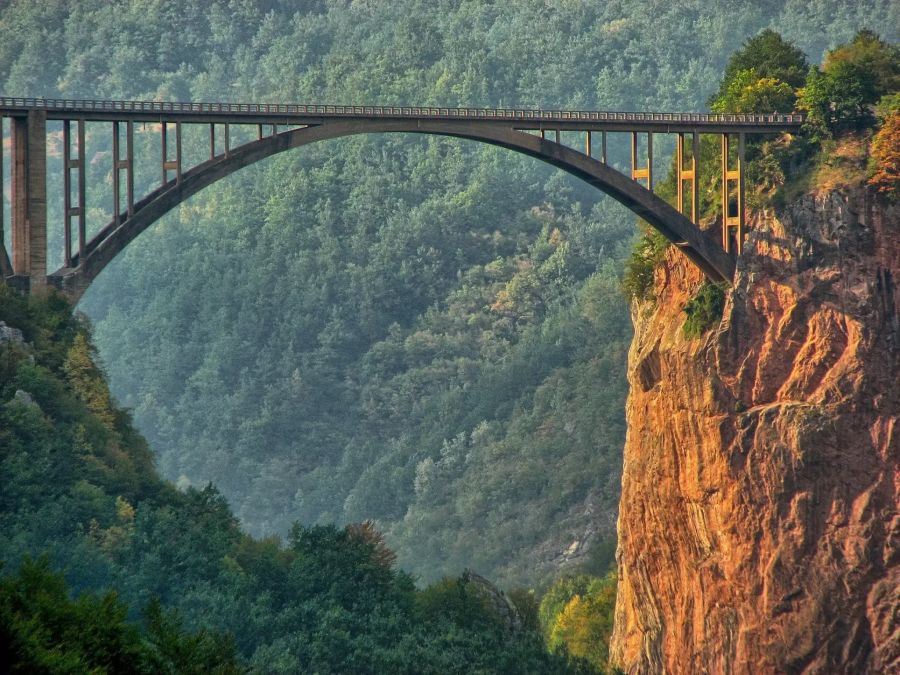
(424, 332)
(418, 337)
(169, 583)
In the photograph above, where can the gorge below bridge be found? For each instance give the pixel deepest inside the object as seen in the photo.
(280, 127)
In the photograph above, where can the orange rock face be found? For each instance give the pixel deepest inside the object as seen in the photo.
(759, 528)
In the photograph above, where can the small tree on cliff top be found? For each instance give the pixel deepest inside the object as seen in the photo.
(761, 76)
(853, 77)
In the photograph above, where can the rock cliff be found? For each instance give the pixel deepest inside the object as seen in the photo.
(759, 528)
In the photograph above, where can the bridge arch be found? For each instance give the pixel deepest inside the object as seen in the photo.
(699, 247)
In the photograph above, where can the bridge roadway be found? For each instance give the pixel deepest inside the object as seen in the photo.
(295, 115)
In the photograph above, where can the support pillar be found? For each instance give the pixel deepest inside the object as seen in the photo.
(690, 174)
(646, 172)
(733, 183)
(125, 164)
(69, 210)
(29, 197)
(170, 164)
(5, 263)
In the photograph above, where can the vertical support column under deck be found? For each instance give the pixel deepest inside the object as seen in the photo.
(212, 141)
(647, 171)
(733, 224)
(69, 210)
(5, 264)
(741, 203)
(129, 179)
(691, 174)
(115, 157)
(167, 164)
(227, 140)
(589, 145)
(126, 165)
(163, 137)
(29, 196)
(177, 152)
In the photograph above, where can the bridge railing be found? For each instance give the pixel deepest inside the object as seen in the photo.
(250, 109)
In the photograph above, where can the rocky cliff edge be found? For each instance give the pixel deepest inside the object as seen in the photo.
(759, 528)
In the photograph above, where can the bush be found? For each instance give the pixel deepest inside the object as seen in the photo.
(648, 252)
(704, 310)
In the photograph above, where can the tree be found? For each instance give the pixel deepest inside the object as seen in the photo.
(852, 78)
(879, 60)
(749, 93)
(769, 56)
(577, 615)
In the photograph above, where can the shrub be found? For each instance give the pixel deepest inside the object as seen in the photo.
(704, 310)
(648, 251)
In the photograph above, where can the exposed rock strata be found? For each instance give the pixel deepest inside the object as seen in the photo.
(759, 528)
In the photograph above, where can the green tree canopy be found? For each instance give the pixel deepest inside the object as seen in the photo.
(749, 93)
(768, 55)
(853, 77)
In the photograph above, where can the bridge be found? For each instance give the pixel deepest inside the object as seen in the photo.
(280, 127)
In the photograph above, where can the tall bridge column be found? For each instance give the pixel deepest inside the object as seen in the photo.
(733, 209)
(645, 173)
(29, 197)
(71, 210)
(5, 263)
(690, 174)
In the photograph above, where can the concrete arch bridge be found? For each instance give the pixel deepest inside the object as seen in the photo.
(280, 127)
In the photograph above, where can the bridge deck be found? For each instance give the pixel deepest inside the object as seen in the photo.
(295, 115)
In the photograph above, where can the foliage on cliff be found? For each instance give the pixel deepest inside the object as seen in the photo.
(171, 583)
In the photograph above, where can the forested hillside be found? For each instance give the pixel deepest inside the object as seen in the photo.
(167, 581)
(421, 331)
